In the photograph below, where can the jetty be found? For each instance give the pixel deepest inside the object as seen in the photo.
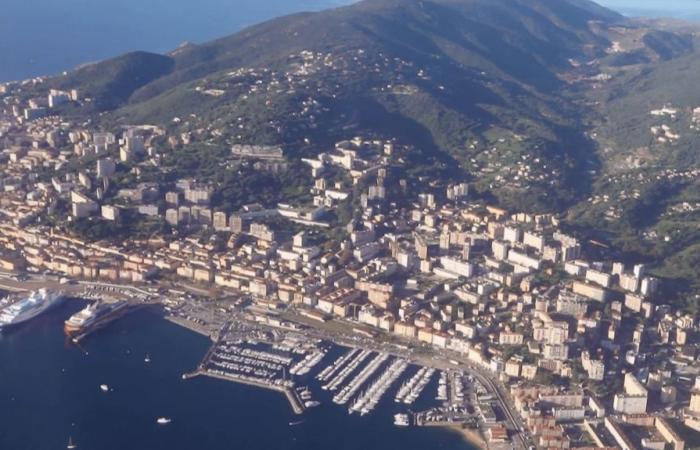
(290, 393)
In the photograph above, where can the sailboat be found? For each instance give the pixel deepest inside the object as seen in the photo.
(71, 445)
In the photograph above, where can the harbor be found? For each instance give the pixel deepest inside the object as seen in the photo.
(255, 418)
(356, 379)
(287, 359)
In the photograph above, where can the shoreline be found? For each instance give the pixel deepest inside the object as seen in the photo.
(469, 435)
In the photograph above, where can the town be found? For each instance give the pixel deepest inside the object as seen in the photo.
(574, 351)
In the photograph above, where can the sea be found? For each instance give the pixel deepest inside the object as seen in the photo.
(50, 391)
(46, 37)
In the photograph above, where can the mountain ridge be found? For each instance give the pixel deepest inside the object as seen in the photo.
(476, 85)
(541, 105)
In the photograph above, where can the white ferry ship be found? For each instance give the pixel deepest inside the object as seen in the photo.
(28, 308)
(94, 316)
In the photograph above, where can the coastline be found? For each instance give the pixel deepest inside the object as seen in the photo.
(202, 406)
(469, 435)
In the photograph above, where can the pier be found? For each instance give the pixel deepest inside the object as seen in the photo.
(292, 396)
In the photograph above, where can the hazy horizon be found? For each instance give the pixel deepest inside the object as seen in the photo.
(679, 9)
(45, 37)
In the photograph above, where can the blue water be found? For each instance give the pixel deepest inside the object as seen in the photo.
(42, 37)
(49, 390)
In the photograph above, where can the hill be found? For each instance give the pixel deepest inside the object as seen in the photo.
(111, 83)
(553, 105)
(453, 77)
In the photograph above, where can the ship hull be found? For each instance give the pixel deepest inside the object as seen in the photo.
(26, 317)
(80, 331)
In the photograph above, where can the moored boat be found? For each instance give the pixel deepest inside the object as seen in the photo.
(28, 308)
(94, 316)
(401, 420)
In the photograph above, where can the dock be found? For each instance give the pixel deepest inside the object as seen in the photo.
(292, 396)
(190, 325)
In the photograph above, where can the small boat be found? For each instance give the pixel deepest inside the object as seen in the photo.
(71, 445)
(147, 359)
(401, 420)
(305, 394)
(163, 420)
(104, 388)
(293, 424)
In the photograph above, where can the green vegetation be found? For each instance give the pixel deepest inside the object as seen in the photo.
(110, 83)
(239, 183)
(433, 75)
(485, 91)
(130, 225)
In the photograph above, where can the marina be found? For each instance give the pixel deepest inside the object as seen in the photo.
(366, 403)
(249, 355)
(345, 372)
(412, 389)
(356, 383)
(265, 360)
(285, 361)
(331, 370)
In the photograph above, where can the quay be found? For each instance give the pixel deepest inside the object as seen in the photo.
(190, 325)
